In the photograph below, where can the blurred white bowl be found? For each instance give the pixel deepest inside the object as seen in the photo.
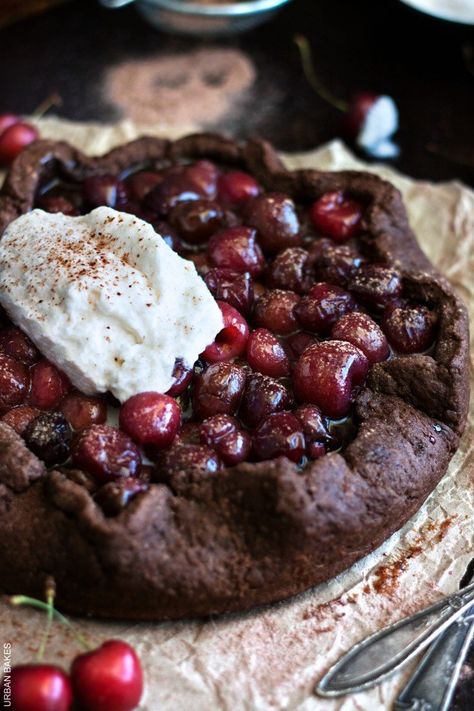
(453, 10)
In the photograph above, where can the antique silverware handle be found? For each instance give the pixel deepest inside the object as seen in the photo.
(379, 655)
(115, 3)
(431, 686)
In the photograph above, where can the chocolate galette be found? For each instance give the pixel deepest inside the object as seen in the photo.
(313, 426)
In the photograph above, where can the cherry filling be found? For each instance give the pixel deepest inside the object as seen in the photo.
(305, 314)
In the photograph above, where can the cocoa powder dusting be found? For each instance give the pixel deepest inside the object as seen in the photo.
(198, 87)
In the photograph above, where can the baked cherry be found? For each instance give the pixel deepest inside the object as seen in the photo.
(262, 397)
(410, 328)
(236, 248)
(274, 217)
(233, 287)
(20, 417)
(362, 331)
(15, 343)
(168, 234)
(49, 437)
(275, 310)
(196, 458)
(175, 187)
(231, 341)
(280, 435)
(108, 678)
(337, 215)
(204, 175)
(290, 270)
(332, 262)
(106, 190)
(106, 453)
(219, 389)
(224, 434)
(296, 343)
(38, 687)
(322, 306)
(196, 220)
(315, 430)
(182, 377)
(151, 418)
(48, 385)
(236, 187)
(114, 496)
(14, 382)
(58, 203)
(83, 411)
(266, 355)
(141, 183)
(376, 285)
(14, 139)
(326, 374)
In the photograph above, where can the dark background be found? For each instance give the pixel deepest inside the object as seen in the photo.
(376, 45)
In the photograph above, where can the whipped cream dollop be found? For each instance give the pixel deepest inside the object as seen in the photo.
(105, 299)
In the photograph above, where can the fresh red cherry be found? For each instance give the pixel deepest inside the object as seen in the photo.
(83, 411)
(20, 417)
(280, 435)
(326, 375)
(104, 190)
(322, 306)
(290, 270)
(262, 397)
(337, 215)
(275, 310)
(48, 385)
(182, 377)
(362, 331)
(196, 220)
(334, 263)
(218, 389)
(151, 418)
(236, 188)
(376, 285)
(15, 343)
(108, 678)
(274, 217)
(38, 687)
(231, 286)
(231, 341)
(359, 108)
(14, 139)
(58, 203)
(237, 249)
(7, 120)
(14, 382)
(410, 328)
(106, 453)
(226, 437)
(266, 355)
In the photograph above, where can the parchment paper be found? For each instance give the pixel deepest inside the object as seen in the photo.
(271, 658)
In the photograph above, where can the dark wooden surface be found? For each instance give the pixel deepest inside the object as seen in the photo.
(362, 44)
(374, 45)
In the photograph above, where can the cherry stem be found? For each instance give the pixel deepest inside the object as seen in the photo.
(312, 78)
(50, 604)
(52, 100)
(18, 600)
